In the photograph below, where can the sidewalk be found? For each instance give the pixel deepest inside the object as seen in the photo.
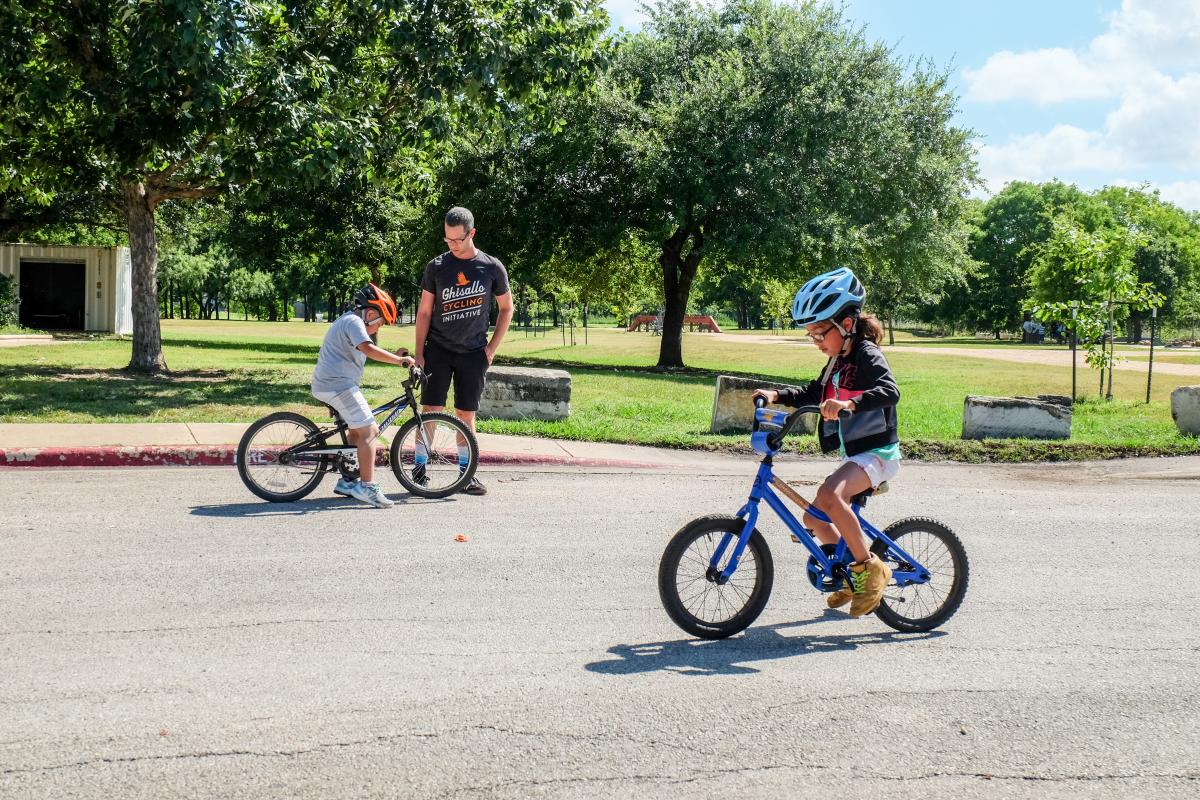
(215, 444)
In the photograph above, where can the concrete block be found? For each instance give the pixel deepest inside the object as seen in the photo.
(526, 393)
(1045, 417)
(733, 405)
(1185, 409)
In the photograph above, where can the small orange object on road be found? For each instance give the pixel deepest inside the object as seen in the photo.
(461, 538)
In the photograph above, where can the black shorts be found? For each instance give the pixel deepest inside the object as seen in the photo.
(468, 370)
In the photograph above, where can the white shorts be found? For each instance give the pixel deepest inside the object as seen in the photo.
(351, 404)
(877, 469)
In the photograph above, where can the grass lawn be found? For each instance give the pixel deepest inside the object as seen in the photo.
(237, 371)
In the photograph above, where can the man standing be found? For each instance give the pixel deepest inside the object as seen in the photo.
(452, 325)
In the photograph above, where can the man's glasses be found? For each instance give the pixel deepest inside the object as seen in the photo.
(817, 338)
(456, 241)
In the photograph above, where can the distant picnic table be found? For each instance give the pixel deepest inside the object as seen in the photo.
(702, 322)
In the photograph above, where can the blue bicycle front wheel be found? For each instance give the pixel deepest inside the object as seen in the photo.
(688, 584)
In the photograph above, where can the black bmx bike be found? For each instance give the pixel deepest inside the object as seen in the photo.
(284, 456)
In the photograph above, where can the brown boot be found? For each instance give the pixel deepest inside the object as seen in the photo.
(870, 578)
(839, 598)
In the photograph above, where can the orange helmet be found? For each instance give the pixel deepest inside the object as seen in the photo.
(371, 296)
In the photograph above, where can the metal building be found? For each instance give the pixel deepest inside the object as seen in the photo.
(71, 288)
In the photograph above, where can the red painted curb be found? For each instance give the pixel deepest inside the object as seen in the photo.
(226, 456)
(140, 456)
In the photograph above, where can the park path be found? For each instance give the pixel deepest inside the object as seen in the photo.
(28, 341)
(1024, 355)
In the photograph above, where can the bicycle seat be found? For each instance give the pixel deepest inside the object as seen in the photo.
(860, 499)
(333, 412)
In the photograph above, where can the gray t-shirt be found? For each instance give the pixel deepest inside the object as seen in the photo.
(463, 292)
(340, 364)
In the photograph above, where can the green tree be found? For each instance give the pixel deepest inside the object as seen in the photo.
(10, 302)
(1187, 306)
(1092, 274)
(149, 102)
(777, 299)
(61, 218)
(184, 275)
(250, 288)
(1009, 229)
(1167, 255)
(754, 133)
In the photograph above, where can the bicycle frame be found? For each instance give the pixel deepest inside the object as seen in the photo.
(316, 448)
(830, 570)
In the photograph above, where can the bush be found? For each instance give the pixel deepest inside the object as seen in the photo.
(8, 302)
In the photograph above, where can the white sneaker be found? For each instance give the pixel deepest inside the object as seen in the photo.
(344, 487)
(370, 493)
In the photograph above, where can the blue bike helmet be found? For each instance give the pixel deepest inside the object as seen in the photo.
(831, 296)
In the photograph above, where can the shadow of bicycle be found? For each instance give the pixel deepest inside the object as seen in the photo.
(300, 508)
(730, 656)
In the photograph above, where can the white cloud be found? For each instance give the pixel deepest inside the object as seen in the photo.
(1145, 39)
(1159, 123)
(1185, 194)
(1043, 76)
(1147, 62)
(1165, 33)
(1039, 156)
(625, 14)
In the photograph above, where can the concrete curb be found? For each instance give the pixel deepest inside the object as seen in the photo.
(226, 456)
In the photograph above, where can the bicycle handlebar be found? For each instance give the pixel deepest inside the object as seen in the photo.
(416, 375)
(775, 440)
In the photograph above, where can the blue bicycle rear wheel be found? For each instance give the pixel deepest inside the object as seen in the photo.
(923, 606)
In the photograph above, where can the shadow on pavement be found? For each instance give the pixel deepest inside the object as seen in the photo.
(729, 656)
(261, 508)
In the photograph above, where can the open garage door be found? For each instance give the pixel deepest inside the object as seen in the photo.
(52, 295)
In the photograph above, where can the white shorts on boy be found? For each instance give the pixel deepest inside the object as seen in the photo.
(351, 404)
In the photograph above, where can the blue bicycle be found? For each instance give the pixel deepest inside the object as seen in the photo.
(716, 573)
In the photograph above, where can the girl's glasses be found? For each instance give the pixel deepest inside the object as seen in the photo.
(817, 338)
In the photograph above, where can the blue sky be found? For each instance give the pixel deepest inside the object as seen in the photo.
(1094, 92)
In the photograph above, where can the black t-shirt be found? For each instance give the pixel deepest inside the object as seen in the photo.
(463, 292)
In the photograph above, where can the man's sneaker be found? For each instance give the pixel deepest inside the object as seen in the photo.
(370, 493)
(419, 476)
(870, 578)
(475, 487)
(344, 487)
(839, 598)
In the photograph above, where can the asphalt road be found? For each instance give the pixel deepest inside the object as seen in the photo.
(163, 634)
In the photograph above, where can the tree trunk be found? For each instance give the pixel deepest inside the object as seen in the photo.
(678, 272)
(891, 330)
(143, 250)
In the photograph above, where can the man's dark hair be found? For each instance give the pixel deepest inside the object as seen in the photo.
(460, 216)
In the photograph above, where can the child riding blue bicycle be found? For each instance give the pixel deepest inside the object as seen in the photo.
(857, 379)
(716, 572)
